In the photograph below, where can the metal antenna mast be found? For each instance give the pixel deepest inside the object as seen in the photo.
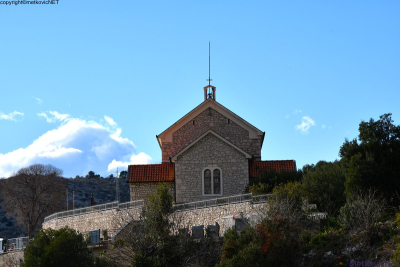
(209, 70)
(209, 63)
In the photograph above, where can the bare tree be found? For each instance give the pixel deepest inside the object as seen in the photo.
(287, 207)
(361, 214)
(288, 202)
(32, 193)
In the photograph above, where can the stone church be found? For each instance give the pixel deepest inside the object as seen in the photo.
(210, 152)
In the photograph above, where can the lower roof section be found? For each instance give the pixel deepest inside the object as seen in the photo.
(255, 167)
(163, 172)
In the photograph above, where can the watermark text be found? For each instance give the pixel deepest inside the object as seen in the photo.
(371, 263)
(28, 2)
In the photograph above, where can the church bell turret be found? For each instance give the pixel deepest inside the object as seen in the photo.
(209, 92)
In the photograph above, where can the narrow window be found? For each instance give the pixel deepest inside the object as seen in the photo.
(207, 182)
(229, 121)
(193, 122)
(217, 181)
(212, 181)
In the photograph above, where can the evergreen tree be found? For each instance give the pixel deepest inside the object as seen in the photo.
(373, 162)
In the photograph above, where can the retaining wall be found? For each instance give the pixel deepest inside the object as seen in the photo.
(211, 215)
(12, 259)
(114, 219)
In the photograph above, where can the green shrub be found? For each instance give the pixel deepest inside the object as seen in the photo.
(266, 181)
(305, 236)
(64, 247)
(288, 201)
(271, 243)
(318, 238)
(396, 255)
(105, 234)
(324, 185)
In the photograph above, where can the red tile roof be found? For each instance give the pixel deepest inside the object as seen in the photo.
(165, 172)
(151, 173)
(255, 167)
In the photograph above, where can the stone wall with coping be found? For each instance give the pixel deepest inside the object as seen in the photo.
(12, 259)
(210, 119)
(142, 190)
(211, 215)
(210, 152)
(113, 220)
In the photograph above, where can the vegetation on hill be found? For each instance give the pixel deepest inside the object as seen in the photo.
(360, 193)
(103, 190)
(324, 184)
(373, 162)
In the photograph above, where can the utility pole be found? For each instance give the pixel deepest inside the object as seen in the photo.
(67, 198)
(117, 187)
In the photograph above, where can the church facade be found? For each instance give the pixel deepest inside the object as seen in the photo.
(210, 152)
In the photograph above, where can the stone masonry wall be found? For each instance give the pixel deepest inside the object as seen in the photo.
(209, 216)
(113, 220)
(12, 259)
(210, 119)
(210, 151)
(142, 190)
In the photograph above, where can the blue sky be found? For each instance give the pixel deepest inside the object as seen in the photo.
(87, 85)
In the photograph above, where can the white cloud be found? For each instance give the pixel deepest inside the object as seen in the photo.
(287, 116)
(297, 111)
(306, 123)
(10, 116)
(140, 158)
(76, 146)
(54, 116)
(40, 101)
(110, 121)
(58, 152)
(323, 126)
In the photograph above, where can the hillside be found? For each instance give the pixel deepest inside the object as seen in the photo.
(103, 189)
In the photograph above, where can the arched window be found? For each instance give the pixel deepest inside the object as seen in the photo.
(217, 181)
(207, 182)
(212, 181)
